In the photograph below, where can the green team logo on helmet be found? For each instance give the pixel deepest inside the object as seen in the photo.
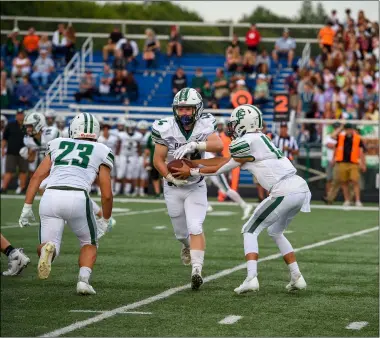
(240, 115)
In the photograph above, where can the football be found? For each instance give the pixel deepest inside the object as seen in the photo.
(178, 164)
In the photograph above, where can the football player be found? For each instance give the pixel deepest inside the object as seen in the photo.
(17, 260)
(4, 122)
(73, 165)
(50, 116)
(142, 127)
(289, 193)
(60, 123)
(188, 133)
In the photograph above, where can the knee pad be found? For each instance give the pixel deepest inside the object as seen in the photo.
(195, 226)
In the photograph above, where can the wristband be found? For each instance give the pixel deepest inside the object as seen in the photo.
(195, 172)
(201, 145)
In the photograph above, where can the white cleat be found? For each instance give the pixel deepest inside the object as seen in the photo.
(185, 255)
(44, 264)
(358, 204)
(346, 203)
(298, 283)
(247, 212)
(210, 208)
(250, 284)
(84, 288)
(17, 261)
(196, 279)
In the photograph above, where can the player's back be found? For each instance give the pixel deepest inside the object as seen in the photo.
(75, 162)
(273, 171)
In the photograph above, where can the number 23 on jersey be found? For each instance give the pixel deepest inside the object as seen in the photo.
(84, 153)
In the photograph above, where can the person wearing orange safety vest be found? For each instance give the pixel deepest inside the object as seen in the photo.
(349, 160)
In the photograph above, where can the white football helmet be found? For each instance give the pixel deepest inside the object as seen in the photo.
(84, 125)
(60, 121)
(130, 126)
(50, 113)
(36, 120)
(142, 125)
(188, 97)
(4, 121)
(245, 118)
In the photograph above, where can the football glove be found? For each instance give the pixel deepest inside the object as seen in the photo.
(26, 215)
(188, 149)
(178, 183)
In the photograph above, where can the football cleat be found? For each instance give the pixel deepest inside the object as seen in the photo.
(247, 211)
(346, 203)
(17, 261)
(358, 204)
(250, 284)
(297, 283)
(44, 264)
(209, 208)
(185, 255)
(196, 279)
(84, 288)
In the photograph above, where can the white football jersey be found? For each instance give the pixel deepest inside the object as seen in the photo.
(129, 144)
(111, 142)
(169, 133)
(75, 163)
(41, 146)
(144, 140)
(273, 171)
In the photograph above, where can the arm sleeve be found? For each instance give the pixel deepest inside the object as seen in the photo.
(108, 161)
(240, 149)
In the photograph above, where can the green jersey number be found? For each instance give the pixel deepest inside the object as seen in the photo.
(274, 150)
(85, 151)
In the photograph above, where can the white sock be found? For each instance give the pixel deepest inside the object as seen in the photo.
(294, 269)
(250, 243)
(197, 258)
(236, 198)
(252, 268)
(84, 274)
(185, 242)
(117, 187)
(127, 188)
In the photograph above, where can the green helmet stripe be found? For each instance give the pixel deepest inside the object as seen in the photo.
(91, 123)
(184, 94)
(85, 122)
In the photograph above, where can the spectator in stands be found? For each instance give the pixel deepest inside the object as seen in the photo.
(129, 49)
(105, 80)
(70, 43)
(234, 44)
(239, 85)
(233, 60)
(291, 83)
(348, 18)
(261, 93)
(30, 43)
(249, 62)
(12, 142)
(43, 67)
(252, 39)
(319, 99)
(21, 66)
(220, 85)
(334, 18)
(119, 86)
(12, 45)
(263, 57)
(175, 42)
(370, 95)
(340, 77)
(132, 88)
(326, 40)
(207, 94)
(119, 62)
(113, 39)
(45, 44)
(87, 87)
(352, 103)
(305, 102)
(151, 50)
(59, 42)
(263, 69)
(372, 112)
(198, 80)
(179, 81)
(284, 48)
(24, 92)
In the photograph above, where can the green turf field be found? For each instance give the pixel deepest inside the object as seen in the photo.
(138, 276)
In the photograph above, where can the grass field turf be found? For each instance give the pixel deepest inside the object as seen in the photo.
(137, 261)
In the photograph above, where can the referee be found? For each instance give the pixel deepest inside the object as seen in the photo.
(286, 143)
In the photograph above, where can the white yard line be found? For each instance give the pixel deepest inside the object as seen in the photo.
(221, 229)
(356, 325)
(216, 203)
(122, 312)
(230, 320)
(163, 295)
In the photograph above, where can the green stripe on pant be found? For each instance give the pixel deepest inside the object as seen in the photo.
(90, 219)
(264, 214)
(222, 179)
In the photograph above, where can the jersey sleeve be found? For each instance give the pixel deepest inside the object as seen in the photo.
(208, 124)
(52, 146)
(158, 131)
(240, 149)
(109, 159)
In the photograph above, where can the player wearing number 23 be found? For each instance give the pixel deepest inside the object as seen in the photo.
(288, 193)
(73, 165)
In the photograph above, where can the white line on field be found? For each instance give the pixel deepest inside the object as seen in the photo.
(356, 325)
(160, 227)
(121, 312)
(221, 229)
(83, 323)
(230, 320)
(154, 201)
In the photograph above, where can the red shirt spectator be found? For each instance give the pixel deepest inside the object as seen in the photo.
(252, 38)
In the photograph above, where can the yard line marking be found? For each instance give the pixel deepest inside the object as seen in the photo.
(221, 229)
(356, 325)
(121, 312)
(290, 232)
(137, 212)
(216, 203)
(230, 320)
(160, 227)
(83, 323)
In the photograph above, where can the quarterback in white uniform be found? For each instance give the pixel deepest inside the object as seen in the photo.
(127, 161)
(142, 127)
(73, 165)
(289, 193)
(189, 133)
